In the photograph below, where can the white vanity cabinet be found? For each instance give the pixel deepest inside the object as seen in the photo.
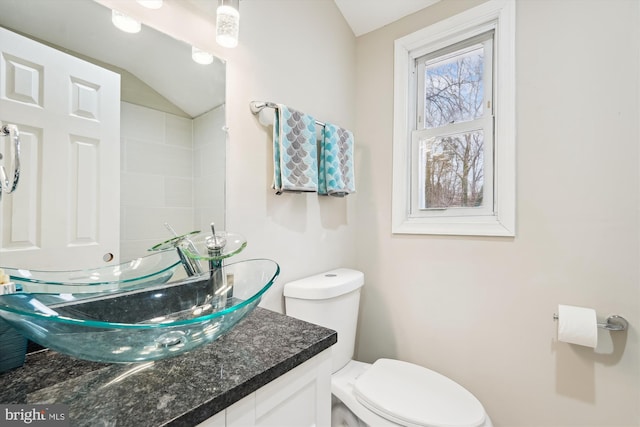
(299, 398)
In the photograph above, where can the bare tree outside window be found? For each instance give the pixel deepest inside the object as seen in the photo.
(453, 163)
(454, 125)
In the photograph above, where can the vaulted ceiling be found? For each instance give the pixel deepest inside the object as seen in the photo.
(367, 15)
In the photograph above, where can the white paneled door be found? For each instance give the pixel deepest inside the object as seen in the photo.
(65, 213)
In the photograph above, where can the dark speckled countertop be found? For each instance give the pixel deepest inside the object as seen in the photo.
(181, 391)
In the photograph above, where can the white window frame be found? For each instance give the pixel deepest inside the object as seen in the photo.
(483, 123)
(496, 15)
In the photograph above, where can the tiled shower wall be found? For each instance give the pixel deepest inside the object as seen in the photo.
(168, 175)
(209, 159)
(156, 178)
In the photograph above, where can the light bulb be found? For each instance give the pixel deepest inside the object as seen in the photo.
(200, 56)
(125, 22)
(227, 25)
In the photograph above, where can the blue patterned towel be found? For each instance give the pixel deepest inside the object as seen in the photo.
(295, 153)
(335, 175)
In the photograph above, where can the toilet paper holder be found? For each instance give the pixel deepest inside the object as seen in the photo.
(613, 323)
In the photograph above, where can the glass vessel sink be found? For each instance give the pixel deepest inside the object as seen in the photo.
(149, 323)
(216, 247)
(151, 269)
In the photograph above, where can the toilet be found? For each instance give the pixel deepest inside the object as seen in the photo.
(388, 392)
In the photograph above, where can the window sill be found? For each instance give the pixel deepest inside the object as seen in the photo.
(460, 226)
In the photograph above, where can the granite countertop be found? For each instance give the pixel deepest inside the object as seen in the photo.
(181, 391)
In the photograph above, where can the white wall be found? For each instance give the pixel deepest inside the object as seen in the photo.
(300, 53)
(480, 309)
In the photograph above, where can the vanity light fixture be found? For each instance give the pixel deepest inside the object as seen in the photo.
(227, 22)
(150, 4)
(200, 56)
(125, 22)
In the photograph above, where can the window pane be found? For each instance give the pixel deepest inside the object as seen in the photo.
(454, 87)
(451, 171)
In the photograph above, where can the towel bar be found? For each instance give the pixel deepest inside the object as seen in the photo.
(257, 106)
(613, 323)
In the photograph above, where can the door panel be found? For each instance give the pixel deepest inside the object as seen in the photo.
(65, 213)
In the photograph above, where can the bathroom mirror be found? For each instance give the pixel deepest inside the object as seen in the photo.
(172, 135)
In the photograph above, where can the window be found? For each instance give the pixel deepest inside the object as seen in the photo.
(454, 129)
(454, 121)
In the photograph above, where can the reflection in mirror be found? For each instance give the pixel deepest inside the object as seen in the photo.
(115, 144)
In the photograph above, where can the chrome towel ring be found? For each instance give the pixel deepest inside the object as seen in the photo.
(9, 182)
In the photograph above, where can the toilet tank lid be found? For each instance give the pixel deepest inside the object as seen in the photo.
(325, 285)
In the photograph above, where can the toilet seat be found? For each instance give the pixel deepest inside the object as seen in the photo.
(415, 396)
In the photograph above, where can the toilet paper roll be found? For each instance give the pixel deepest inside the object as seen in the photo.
(577, 325)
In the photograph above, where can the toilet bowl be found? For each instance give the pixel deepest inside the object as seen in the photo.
(388, 392)
(395, 393)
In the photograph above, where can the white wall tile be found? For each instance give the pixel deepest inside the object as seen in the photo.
(157, 183)
(178, 192)
(158, 159)
(178, 131)
(142, 123)
(148, 222)
(141, 190)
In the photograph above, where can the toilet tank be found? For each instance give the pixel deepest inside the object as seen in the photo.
(331, 300)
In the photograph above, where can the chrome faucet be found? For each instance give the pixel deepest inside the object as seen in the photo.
(191, 265)
(220, 286)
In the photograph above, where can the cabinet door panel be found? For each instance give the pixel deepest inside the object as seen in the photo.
(299, 398)
(218, 420)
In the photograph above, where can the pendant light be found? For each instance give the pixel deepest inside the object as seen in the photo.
(227, 23)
